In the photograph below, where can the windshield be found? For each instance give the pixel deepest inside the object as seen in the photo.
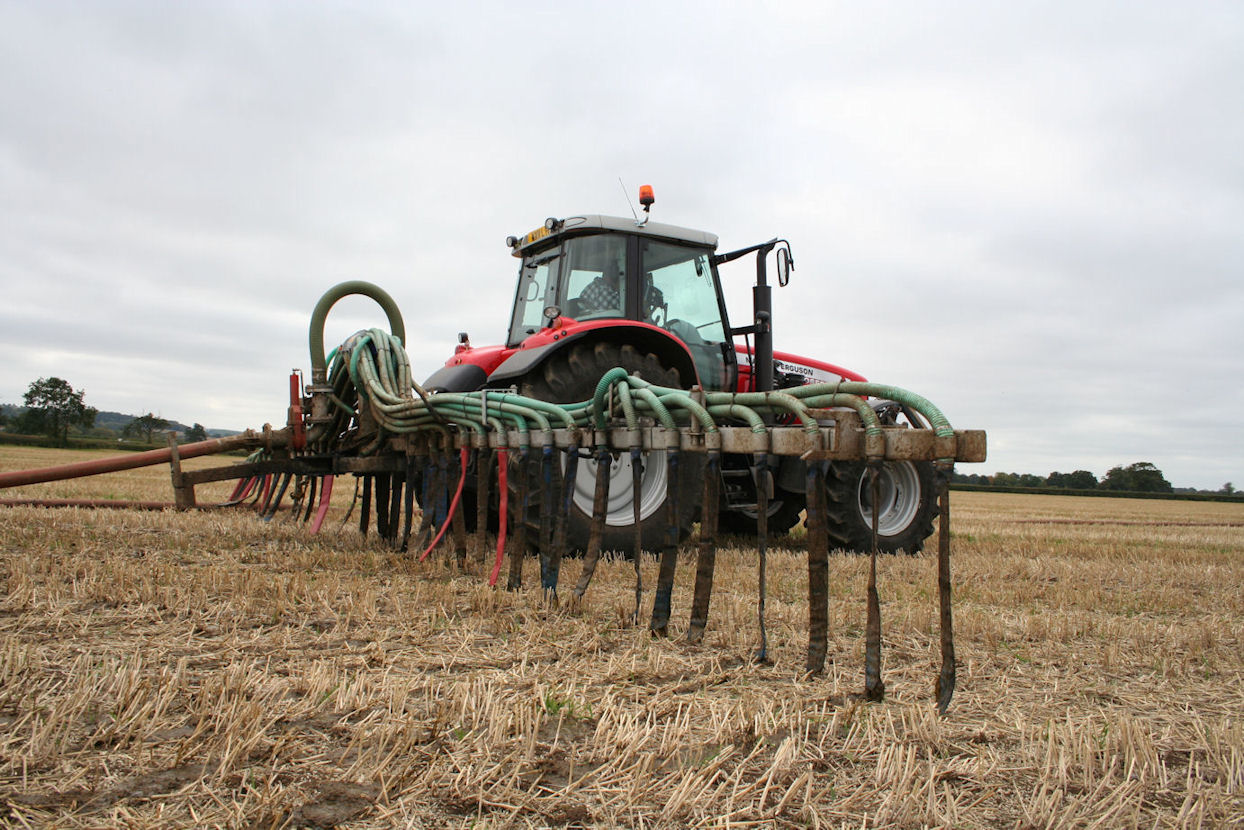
(594, 277)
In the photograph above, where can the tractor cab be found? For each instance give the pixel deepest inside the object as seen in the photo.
(589, 273)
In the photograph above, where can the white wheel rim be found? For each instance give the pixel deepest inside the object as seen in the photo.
(618, 509)
(900, 497)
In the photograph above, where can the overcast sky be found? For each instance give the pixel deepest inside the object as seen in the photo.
(1030, 213)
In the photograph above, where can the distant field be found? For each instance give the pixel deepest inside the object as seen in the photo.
(200, 669)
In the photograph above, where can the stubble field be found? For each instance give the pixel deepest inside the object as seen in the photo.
(207, 669)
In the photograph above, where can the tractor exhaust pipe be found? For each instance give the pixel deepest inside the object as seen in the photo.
(762, 304)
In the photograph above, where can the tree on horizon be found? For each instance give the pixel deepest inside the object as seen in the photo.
(52, 407)
(145, 426)
(1140, 477)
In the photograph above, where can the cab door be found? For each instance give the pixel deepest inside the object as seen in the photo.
(677, 289)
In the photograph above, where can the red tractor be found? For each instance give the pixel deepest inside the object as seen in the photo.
(595, 292)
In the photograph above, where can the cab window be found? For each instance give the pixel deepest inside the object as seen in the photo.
(680, 296)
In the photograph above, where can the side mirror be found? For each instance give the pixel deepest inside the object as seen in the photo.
(785, 264)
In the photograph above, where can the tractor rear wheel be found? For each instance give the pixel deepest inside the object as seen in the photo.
(571, 376)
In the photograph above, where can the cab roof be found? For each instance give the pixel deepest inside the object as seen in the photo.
(575, 225)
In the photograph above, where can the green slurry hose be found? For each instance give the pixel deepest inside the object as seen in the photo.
(372, 370)
(880, 390)
(319, 366)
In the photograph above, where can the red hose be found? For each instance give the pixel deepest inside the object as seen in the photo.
(453, 505)
(247, 487)
(326, 491)
(237, 490)
(262, 502)
(503, 486)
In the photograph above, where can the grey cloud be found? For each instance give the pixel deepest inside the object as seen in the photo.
(1031, 217)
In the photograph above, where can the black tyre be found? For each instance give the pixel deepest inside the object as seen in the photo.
(571, 376)
(908, 505)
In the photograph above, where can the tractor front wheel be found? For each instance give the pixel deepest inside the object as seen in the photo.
(906, 508)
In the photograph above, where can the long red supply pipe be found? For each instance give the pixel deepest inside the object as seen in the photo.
(132, 461)
(116, 504)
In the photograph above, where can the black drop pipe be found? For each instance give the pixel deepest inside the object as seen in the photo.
(409, 504)
(365, 507)
(518, 547)
(383, 485)
(395, 508)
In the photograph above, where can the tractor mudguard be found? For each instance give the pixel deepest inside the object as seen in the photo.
(465, 377)
(644, 337)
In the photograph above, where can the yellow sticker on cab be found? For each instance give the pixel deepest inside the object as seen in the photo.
(537, 234)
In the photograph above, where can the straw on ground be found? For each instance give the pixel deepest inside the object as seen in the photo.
(164, 669)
